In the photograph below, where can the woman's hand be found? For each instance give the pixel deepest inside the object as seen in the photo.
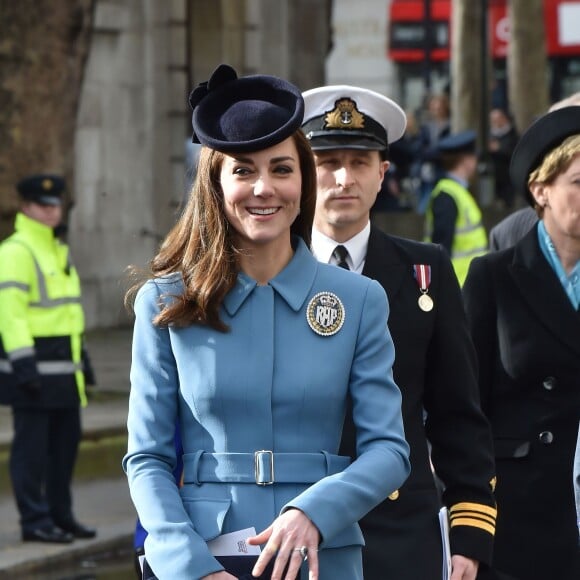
(223, 575)
(284, 538)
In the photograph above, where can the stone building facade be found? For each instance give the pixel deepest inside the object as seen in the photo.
(134, 121)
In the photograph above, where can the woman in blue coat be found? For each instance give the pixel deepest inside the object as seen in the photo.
(252, 346)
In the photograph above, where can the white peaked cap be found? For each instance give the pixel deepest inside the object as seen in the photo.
(339, 116)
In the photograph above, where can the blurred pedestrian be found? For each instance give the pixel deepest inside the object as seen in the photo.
(569, 101)
(350, 130)
(253, 347)
(191, 160)
(513, 227)
(453, 218)
(44, 366)
(510, 230)
(523, 309)
(502, 141)
(435, 125)
(397, 191)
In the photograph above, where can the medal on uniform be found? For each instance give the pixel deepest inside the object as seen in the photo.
(425, 302)
(325, 313)
(423, 277)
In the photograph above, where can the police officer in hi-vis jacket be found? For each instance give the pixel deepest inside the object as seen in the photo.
(43, 365)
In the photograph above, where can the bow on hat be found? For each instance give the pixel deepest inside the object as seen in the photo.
(244, 114)
(223, 74)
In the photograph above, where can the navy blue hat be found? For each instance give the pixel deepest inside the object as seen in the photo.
(462, 142)
(545, 134)
(251, 113)
(44, 189)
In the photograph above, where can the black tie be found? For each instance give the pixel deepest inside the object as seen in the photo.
(340, 253)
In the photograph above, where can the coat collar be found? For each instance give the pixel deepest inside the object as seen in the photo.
(542, 291)
(293, 283)
(32, 228)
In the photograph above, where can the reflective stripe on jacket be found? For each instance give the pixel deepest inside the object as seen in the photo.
(41, 314)
(470, 239)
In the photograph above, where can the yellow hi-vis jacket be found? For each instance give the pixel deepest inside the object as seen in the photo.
(41, 316)
(470, 239)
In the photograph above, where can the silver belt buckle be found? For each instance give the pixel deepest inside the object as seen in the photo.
(258, 468)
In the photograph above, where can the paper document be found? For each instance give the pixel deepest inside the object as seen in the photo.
(444, 526)
(234, 544)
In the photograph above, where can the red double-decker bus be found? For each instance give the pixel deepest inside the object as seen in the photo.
(419, 44)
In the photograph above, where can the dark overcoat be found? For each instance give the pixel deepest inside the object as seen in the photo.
(436, 371)
(527, 336)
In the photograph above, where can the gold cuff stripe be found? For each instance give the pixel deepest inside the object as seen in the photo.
(474, 524)
(474, 507)
(481, 517)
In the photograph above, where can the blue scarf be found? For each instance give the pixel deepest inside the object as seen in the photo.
(570, 283)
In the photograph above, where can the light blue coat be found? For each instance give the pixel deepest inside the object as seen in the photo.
(271, 383)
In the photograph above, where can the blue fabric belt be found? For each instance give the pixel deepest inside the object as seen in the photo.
(261, 467)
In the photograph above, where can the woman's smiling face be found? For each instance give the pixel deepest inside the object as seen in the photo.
(262, 193)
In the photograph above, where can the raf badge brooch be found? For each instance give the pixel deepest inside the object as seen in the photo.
(325, 313)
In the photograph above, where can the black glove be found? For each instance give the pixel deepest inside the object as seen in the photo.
(26, 375)
(31, 388)
(90, 379)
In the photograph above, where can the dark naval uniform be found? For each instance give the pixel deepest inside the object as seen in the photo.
(436, 371)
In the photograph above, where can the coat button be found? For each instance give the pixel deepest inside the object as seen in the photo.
(549, 383)
(546, 437)
(394, 496)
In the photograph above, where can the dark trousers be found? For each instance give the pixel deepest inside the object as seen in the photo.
(42, 460)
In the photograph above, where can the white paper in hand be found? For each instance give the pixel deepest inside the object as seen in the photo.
(444, 526)
(234, 544)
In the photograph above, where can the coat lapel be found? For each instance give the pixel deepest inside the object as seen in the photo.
(384, 264)
(542, 291)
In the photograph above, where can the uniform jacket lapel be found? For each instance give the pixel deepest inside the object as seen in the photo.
(383, 263)
(542, 291)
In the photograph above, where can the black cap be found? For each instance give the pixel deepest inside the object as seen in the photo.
(251, 113)
(545, 134)
(462, 142)
(44, 189)
(348, 117)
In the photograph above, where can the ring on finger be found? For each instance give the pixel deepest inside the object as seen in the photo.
(303, 551)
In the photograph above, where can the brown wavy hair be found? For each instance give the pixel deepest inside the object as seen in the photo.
(201, 247)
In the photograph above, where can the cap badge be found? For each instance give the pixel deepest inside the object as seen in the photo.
(47, 184)
(325, 313)
(345, 115)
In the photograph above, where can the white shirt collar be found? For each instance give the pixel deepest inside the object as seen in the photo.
(323, 246)
(459, 180)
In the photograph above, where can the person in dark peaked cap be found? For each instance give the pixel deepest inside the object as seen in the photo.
(514, 226)
(46, 190)
(44, 367)
(350, 130)
(523, 304)
(453, 218)
(253, 347)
